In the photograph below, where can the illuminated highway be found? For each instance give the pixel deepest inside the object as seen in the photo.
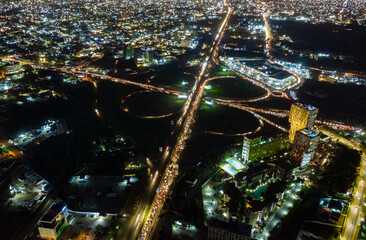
(143, 223)
(261, 124)
(357, 203)
(336, 125)
(128, 82)
(187, 121)
(224, 101)
(269, 36)
(273, 112)
(285, 113)
(355, 210)
(357, 74)
(341, 139)
(268, 92)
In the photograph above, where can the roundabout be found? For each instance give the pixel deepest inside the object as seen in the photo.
(151, 105)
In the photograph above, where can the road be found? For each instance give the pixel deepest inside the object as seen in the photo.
(225, 101)
(187, 120)
(355, 210)
(161, 182)
(269, 36)
(274, 219)
(357, 74)
(134, 224)
(273, 112)
(341, 139)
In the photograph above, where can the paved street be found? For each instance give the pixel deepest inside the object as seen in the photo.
(355, 211)
(289, 199)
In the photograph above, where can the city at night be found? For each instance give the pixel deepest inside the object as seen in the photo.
(183, 120)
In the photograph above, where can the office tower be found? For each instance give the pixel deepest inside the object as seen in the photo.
(246, 148)
(127, 52)
(148, 56)
(305, 144)
(256, 147)
(301, 116)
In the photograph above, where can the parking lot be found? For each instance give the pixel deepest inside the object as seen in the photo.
(27, 190)
(88, 228)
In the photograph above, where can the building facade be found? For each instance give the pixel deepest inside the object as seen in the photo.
(255, 147)
(305, 144)
(301, 116)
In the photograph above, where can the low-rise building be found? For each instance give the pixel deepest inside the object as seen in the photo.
(12, 68)
(53, 222)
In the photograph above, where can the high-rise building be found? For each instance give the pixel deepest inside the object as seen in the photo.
(301, 116)
(127, 52)
(248, 143)
(305, 144)
(148, 56)
(255, 146)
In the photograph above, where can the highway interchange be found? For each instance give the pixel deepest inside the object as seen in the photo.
(187, 121)
(142, 224)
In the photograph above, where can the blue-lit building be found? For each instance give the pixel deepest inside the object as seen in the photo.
(305, 144)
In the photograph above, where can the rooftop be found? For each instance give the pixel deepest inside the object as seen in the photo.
(235, 227)
(306, 106)
(52, 214)
(309, 133)
(232, 166)
(103, 194)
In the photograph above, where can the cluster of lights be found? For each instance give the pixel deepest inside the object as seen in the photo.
(260, 75)
(59, 32)
(171, 171)
(318, 11)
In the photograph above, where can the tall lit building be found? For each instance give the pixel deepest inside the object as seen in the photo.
(219, 230)
(127, 52)
(148, 56)
(305, 144)
(247, 144)
(301, 116)
(255, 146)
